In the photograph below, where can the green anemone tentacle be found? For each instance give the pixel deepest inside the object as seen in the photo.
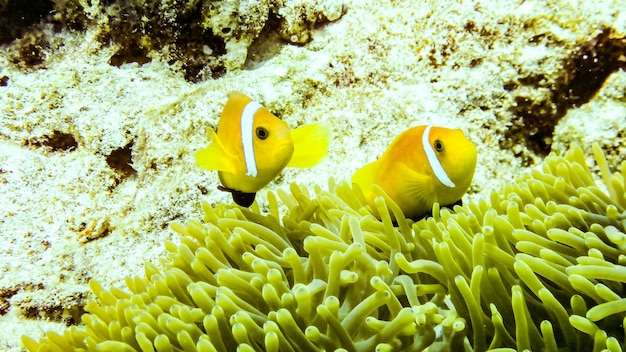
(540, 265)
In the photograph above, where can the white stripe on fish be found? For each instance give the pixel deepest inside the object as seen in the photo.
(247, 136)
(435, 165)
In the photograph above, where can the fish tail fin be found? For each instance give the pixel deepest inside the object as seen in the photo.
(310, 144)
(215, 156)
(365, 177)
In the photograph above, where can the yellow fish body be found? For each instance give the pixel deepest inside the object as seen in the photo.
(252, 146)
(423, 165)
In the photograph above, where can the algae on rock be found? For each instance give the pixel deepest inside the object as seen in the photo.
(539, 266)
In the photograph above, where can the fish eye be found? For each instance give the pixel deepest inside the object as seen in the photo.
(262, 133)
(438, 146)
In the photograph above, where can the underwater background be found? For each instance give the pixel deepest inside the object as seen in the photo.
(103, 105)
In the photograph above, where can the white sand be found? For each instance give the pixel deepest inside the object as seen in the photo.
(370, 74)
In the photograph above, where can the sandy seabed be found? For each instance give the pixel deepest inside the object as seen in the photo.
(69, 214)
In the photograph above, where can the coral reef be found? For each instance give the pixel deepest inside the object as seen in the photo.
(16, 17)
(206, 38)
(540, 266)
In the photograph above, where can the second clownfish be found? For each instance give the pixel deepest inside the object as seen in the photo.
(252, 146)
(423, 165)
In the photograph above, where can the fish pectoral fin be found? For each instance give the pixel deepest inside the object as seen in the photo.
(216, 157)
(418, 186)
(310, 145)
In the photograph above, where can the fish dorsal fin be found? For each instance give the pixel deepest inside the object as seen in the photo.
(310, 145)
(216, 157)
(433, 160)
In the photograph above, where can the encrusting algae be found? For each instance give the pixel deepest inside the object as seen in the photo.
(538, 266)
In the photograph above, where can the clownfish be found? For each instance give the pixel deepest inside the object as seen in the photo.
(423, 165)
(252, 146)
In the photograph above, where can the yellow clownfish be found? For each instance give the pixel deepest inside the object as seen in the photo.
(252, 146)
(423, 165)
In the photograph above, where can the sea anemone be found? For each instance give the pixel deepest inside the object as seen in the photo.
(540, 266)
